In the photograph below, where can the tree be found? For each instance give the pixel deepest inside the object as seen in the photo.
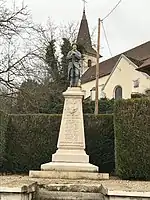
(28, 97)
(46, 97)
(65, 48)
(69, 31)
(16, 49)
(45, 67)
(6, 101)
(51, 60)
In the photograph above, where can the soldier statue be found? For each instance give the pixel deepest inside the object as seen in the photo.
(74, 67)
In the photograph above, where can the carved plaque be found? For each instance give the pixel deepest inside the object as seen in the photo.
(72, 123)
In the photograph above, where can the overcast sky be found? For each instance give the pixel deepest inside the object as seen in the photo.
(126, 27)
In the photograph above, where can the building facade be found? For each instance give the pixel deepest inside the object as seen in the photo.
(119, 76)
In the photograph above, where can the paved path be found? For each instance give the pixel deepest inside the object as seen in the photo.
(112, 184)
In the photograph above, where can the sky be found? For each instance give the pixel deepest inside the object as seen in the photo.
(128, 26)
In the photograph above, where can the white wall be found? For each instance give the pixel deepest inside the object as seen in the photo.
(123, 75)
(88, 86)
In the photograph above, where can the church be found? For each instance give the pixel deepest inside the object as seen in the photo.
(120, 76)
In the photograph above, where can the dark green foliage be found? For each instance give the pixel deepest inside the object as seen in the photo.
(3, 130)
(39, 98)
(137, 95)
(100, 141)
(46, 97)
(132, 130)
(65, 48)
(53, 71)
(6, 101)
(105, 106)
(28, 97)
(32, 141)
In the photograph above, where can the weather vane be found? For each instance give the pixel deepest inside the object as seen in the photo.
(84, 2)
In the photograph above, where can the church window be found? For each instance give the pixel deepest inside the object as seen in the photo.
(136, 83)
(89, 63)
(118, 92)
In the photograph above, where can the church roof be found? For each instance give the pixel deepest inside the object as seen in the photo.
(84, 38)
(137, 55)
(145, 67)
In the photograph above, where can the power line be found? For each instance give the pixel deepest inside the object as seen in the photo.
(106, 38)
(112, 10)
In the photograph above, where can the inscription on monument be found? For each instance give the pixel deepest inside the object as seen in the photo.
(72, 130)
(72, 125)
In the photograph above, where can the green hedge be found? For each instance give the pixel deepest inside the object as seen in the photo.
(99, 134)
(132, 133)
(3, 130)
(106, 106)
(32, 140)
(26, 106)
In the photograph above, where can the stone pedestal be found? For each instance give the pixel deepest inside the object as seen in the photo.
(71, 141)
(71, 155)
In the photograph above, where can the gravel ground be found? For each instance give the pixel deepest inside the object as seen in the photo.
(112, 184)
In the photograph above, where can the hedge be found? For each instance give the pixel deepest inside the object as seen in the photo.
(132, 133)
(3, 130)
(32, 140)
(106, 106)
(99, 134)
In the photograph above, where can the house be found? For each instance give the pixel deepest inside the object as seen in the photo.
(120, 76)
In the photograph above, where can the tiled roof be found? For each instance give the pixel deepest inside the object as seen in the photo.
(137, 55)
(84, 38)
(145, 67)
(146, 63)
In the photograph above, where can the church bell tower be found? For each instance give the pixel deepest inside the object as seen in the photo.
(85, 44)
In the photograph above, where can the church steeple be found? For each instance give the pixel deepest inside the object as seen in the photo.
(84, 15)
(84, 38)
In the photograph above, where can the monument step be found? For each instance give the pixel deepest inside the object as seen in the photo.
(69, 166)
(70, 192)
(51, 195)
(69, 175)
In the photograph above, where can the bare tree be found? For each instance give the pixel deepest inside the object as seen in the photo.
(44, 35)
(23, 48)
(16, 45)
(69, 31)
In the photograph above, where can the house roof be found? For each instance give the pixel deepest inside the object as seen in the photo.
(146, 63)
(145, 67)
(84, 38)
(137, 55)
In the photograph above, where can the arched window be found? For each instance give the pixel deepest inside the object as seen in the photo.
(118, 92)
(89, 63)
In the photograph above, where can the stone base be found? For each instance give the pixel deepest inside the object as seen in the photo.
(71, 167)
(70, 156)
(69, 175)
